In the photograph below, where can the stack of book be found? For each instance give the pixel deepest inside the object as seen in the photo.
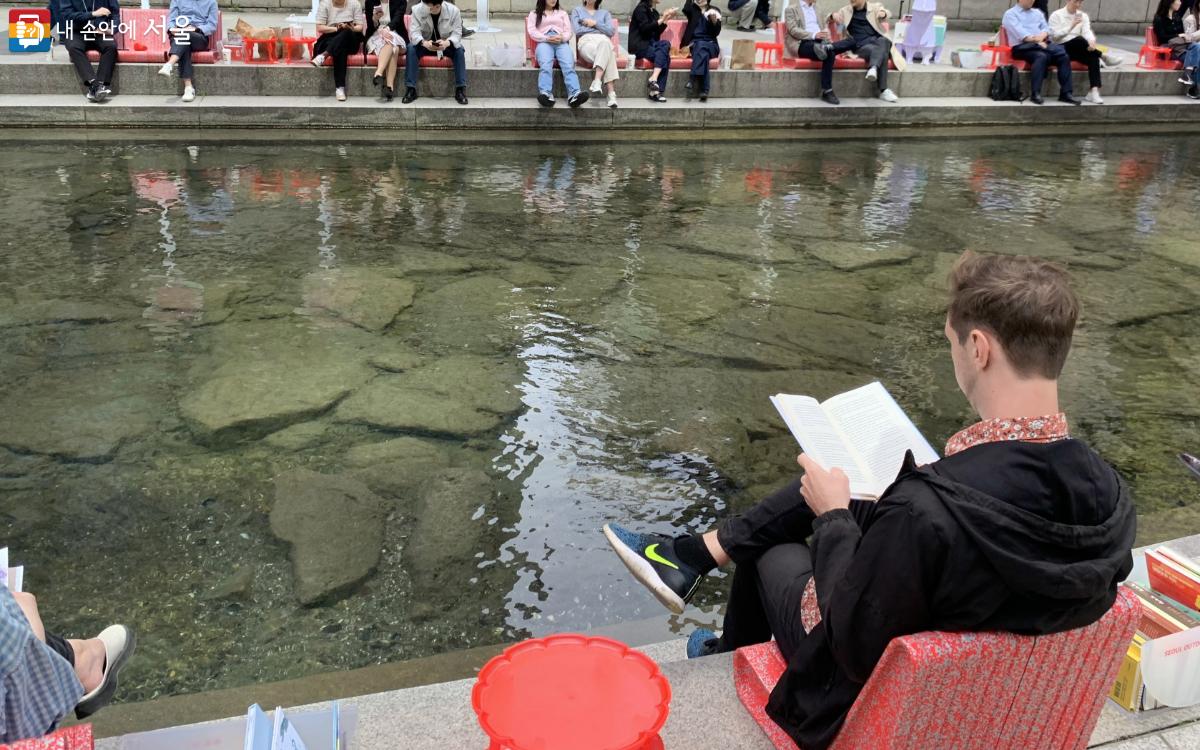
(1169, 606)
(281, 733)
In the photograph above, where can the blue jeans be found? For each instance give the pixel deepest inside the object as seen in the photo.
(1191, 58)
(546, 55)
(703, 50)
(659, 55)
(412, 64)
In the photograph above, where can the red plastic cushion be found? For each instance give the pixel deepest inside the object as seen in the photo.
(972, 691)
(571, 691)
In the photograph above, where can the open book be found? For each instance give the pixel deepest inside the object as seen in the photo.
(863, 432)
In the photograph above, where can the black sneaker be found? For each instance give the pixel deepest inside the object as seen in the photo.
(460, 95)
(410, 96)
(829, 97)
(1193, 93)
(544, 99)
(101, 91)
(821, 51)
(579, 98)
(746, 29)
(1068, 99)
(651, 558)
(466, 32)
(1037, 99)
(703, 96)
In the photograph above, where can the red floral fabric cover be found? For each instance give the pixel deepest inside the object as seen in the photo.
(78, 737)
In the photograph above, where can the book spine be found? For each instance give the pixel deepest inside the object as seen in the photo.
(1167, 580)
(1126, 691)
(1171, 607)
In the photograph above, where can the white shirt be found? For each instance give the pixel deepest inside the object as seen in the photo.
(1060, 27)
(809, 12)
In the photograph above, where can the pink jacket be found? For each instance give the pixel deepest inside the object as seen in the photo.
(556, 19)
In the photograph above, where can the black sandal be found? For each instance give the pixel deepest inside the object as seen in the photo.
(652, 87)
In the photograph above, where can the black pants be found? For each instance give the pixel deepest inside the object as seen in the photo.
(339, 45)
(1077, 50)
(183, 46)
(1039, 59)
(773, 567)
(877, 51)
(59, 645)
(838, 47)
(77, 49)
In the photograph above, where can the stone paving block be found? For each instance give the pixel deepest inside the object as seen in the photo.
(1183, 738)
(1149, 742)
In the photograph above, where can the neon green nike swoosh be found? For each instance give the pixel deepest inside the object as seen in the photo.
(650, 553)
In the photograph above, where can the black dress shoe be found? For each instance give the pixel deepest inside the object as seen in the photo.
(1037, 99)
(466, 32)
(410, 96)
(388, 93)
(378, 79)
(460, 95)
(829, 97)
(1068, 99)
(745, 28)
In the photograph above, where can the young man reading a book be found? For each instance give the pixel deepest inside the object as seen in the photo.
(1020, 527)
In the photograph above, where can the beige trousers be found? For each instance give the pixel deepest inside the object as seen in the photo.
(597, 49)
(743, 17)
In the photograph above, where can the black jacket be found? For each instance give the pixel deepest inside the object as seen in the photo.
(644, 28)
(1168, 27)
(69, 17)
(695, 17)
(1025, 537)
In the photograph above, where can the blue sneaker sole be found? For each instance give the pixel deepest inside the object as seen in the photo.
(644, 572)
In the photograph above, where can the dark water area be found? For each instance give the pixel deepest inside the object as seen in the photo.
(291, 409)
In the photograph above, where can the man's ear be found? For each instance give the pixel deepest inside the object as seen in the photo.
(981, 348)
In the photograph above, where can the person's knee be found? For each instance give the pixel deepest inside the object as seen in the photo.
(26, 600)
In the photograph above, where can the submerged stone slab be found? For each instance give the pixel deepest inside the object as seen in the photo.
(53, 311)
(459, 396)
(249, 399)
(360, 296)
(335, 527)
(855, 256)
(82, 415)
(449, 525)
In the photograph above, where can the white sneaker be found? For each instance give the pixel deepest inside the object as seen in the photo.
(340, 94)
(166, 70)
(872, 74)
(319, 60)
(612, 100)
(1094, 97)
(888, 96)
(1112, 60)
(596, 87)
(189, 94)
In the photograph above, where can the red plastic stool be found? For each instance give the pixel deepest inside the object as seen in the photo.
(572, 691)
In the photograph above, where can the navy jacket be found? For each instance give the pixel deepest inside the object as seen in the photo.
(69, 17)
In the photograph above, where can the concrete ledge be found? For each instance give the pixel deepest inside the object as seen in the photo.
(273, 81)
(779, 116)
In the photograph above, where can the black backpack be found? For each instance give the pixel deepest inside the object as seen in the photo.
(1006, 85)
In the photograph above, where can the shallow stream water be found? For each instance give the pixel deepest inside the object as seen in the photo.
(445, 367)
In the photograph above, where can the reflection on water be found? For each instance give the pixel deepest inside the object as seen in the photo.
(497, 350)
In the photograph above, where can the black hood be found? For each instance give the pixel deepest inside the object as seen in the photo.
(1058, 526)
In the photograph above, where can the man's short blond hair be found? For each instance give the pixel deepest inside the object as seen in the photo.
(1025, 302)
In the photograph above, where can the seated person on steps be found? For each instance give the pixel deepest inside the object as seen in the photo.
(1020, 527)
(805, 38)
(436, 30)
(1029, 34)
(861, 21)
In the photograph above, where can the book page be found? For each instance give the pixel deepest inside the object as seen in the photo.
(820, 440)
(879, 431)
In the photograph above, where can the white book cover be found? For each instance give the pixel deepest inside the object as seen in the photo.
(259, 729)
(286, 736)
(16, 579)
(863, 432)
(4, 566)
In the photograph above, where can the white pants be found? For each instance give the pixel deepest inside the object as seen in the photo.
(597, 50)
